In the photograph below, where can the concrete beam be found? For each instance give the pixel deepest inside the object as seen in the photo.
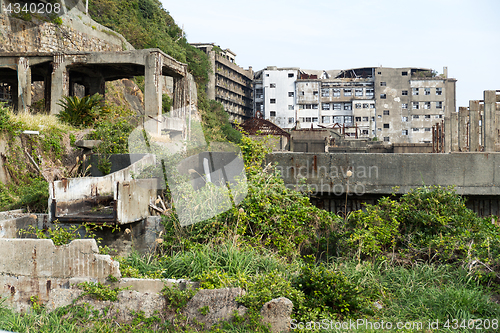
(490, 124)
(474, 114)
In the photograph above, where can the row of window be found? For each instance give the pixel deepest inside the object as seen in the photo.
(327, 119)
(335, 92)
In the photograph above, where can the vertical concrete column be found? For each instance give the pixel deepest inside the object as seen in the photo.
(463, 133)
(23, 84)
(454, 131)
(474, 126)
(490, 123)
(179, 101)
(153, 87)
(211, 75)
(59, 83)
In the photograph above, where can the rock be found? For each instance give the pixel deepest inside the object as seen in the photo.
(277, 313)
(221, 305)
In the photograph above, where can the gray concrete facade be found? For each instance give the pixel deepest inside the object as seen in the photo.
(471, 173)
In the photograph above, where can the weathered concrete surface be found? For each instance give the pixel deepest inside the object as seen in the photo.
(277, 313)
(471, 173)
(33, 267)
(129, 301)
(73, 199)
(221, 305)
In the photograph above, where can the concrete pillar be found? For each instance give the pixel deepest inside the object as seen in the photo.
(153, 87)
(452, 137)
(463, 133)
(490, 124)
(474, 126)
(59, 83)
(23, 84)
(211, 75)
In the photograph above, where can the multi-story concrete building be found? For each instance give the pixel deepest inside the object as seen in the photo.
(398, 105)
(274, 91)
(228, 83)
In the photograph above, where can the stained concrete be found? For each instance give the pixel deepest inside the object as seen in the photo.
(471, 173)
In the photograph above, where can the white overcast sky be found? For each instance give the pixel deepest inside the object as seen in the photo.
(463, 35)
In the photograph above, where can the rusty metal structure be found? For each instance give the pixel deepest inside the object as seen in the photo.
(438, 137)
(259, 126)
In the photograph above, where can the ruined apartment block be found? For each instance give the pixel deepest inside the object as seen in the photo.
(398, 105)
(228, 83)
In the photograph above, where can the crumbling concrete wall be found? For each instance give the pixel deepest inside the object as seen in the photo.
(33, 267)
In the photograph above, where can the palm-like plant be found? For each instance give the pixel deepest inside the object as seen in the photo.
(81, 112)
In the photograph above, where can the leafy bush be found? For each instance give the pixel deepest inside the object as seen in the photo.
(84, 112)
(99, 291)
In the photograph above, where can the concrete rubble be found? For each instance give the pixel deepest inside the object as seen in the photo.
(277, 313)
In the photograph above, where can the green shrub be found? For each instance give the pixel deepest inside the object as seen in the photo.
(84, 112)
(99, 291)
(328, 290)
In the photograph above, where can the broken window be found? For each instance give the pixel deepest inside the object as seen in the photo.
(348, 119)
(379, 129)
(272, 113)
(439, 105)
(427, 116)
(427, 91)
(365, 118)
(386, 125)
(414, 129)
(301, 106)
(383, 84)
(272, 85)
(290, 120)
(315, 93)
(404, 73)
(386, 139)
(404, 105)
(308, 119)
(439, 91)
(379, 116)
(383, 96)
(336, 92)
(325, 119)
(325, 92)
(358, 92)
(365, 131)
(272, 101)
(386, 112)
(415, 116)
(372, 106)
(358, 119)
(315, 119)
(325, 106)
(369, 92)
(405, 119)
(347, 106)
(415, 91)
(337, 106)
(373, 118)
(358, 105)
(302, 93)
(427, 105)
(291, 75)
(308, 106)
(315, 106)
(404, 93)
(415, 105)
(338, 119)
(347, 92)
(365, 105)
(427, 129)
(405, 132)
(290, 94)
(290, 107)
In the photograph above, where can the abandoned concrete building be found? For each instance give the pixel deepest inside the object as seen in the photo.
(228, 83)
(397, 105)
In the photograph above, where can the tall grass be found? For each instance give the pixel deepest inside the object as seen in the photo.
(39, 122)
